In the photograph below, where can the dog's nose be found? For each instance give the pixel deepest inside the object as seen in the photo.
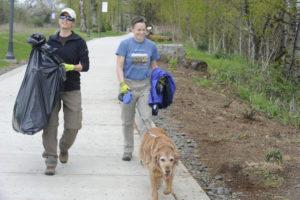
(168, 171)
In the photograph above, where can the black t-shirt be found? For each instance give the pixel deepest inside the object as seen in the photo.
(63, 40)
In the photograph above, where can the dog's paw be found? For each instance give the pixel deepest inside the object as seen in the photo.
(167, 191)
(159, 183)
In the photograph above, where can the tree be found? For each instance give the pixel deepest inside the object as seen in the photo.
(82, 26)
(94, 6)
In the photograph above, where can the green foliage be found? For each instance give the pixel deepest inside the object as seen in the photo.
(271, 90)
(243, 137)
(272, 179)
(21, 47)
(147, 8)
(202, 47)
(4, 12)
(221, 55)
(204, 82)
(244, 92)
(273, 155)
(4, 64)
(37, 21)
(173, 63)
(108, 26)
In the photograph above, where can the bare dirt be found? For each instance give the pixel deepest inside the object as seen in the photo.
(232, 145)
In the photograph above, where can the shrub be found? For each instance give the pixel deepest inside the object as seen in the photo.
(37, 21)
(273, 155)
(172, 62)
(244, 92)
(108, 26)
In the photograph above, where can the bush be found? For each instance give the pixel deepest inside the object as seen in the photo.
(244, 92)
(271, 89)
(221, 54)
(36, 21)
(202, 47)
(108, 26)
(274, 155)
(103, 28)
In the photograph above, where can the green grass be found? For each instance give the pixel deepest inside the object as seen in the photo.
(270, 90)
(96, 35)
(22, 49)
(165, 42)
(204, 82)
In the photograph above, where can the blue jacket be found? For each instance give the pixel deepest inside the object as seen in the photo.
(164, 99)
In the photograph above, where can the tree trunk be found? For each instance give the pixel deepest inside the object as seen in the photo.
(240, 40)
(283, 39)
(94, 16)
(82, 16)
(214, 40)
(291, 35)
(223, 41)
(295, 66)
(188, 25)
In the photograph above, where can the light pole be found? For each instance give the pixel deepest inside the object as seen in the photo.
(10, 54)
(100, 16)
(69, 3)
(88, 32)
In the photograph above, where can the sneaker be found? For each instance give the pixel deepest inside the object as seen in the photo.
(127, 156)
(50, 171)
(63, 157)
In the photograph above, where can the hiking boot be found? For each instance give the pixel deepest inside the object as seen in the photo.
(63, 157)
(127, 156)
(50, 171)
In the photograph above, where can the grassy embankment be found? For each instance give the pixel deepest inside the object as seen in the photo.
(22, 48)
(267, 90)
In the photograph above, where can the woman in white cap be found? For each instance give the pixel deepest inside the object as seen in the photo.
(73, 50)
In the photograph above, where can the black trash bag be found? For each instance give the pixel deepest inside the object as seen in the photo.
(40, 89)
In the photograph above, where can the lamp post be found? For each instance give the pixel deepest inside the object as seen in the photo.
(69, 3)
(100, 16)
(88, 32)
(10, 54)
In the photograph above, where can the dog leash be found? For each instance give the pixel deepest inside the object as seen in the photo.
(149, 132)
(144, 122)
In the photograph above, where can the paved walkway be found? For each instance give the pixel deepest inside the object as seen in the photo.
(95, 170)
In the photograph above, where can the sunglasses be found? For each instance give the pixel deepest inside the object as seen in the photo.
(66, 17)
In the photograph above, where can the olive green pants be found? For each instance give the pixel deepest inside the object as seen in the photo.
(71, 101)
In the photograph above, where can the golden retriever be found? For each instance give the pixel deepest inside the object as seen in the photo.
(159, 154)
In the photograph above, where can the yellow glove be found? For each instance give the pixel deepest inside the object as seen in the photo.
(124, 88)
(68, 67)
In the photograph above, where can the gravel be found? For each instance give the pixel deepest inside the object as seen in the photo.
(189, 154)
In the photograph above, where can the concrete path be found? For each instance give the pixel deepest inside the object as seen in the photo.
(95, 170)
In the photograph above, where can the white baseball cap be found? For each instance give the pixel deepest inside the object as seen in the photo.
(70, 11)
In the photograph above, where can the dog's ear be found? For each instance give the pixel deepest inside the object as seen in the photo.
(155, 157)
(176, 157)
(163, 131)
(156, 160)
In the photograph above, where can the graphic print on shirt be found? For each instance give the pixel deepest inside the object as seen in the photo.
(139, 58)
